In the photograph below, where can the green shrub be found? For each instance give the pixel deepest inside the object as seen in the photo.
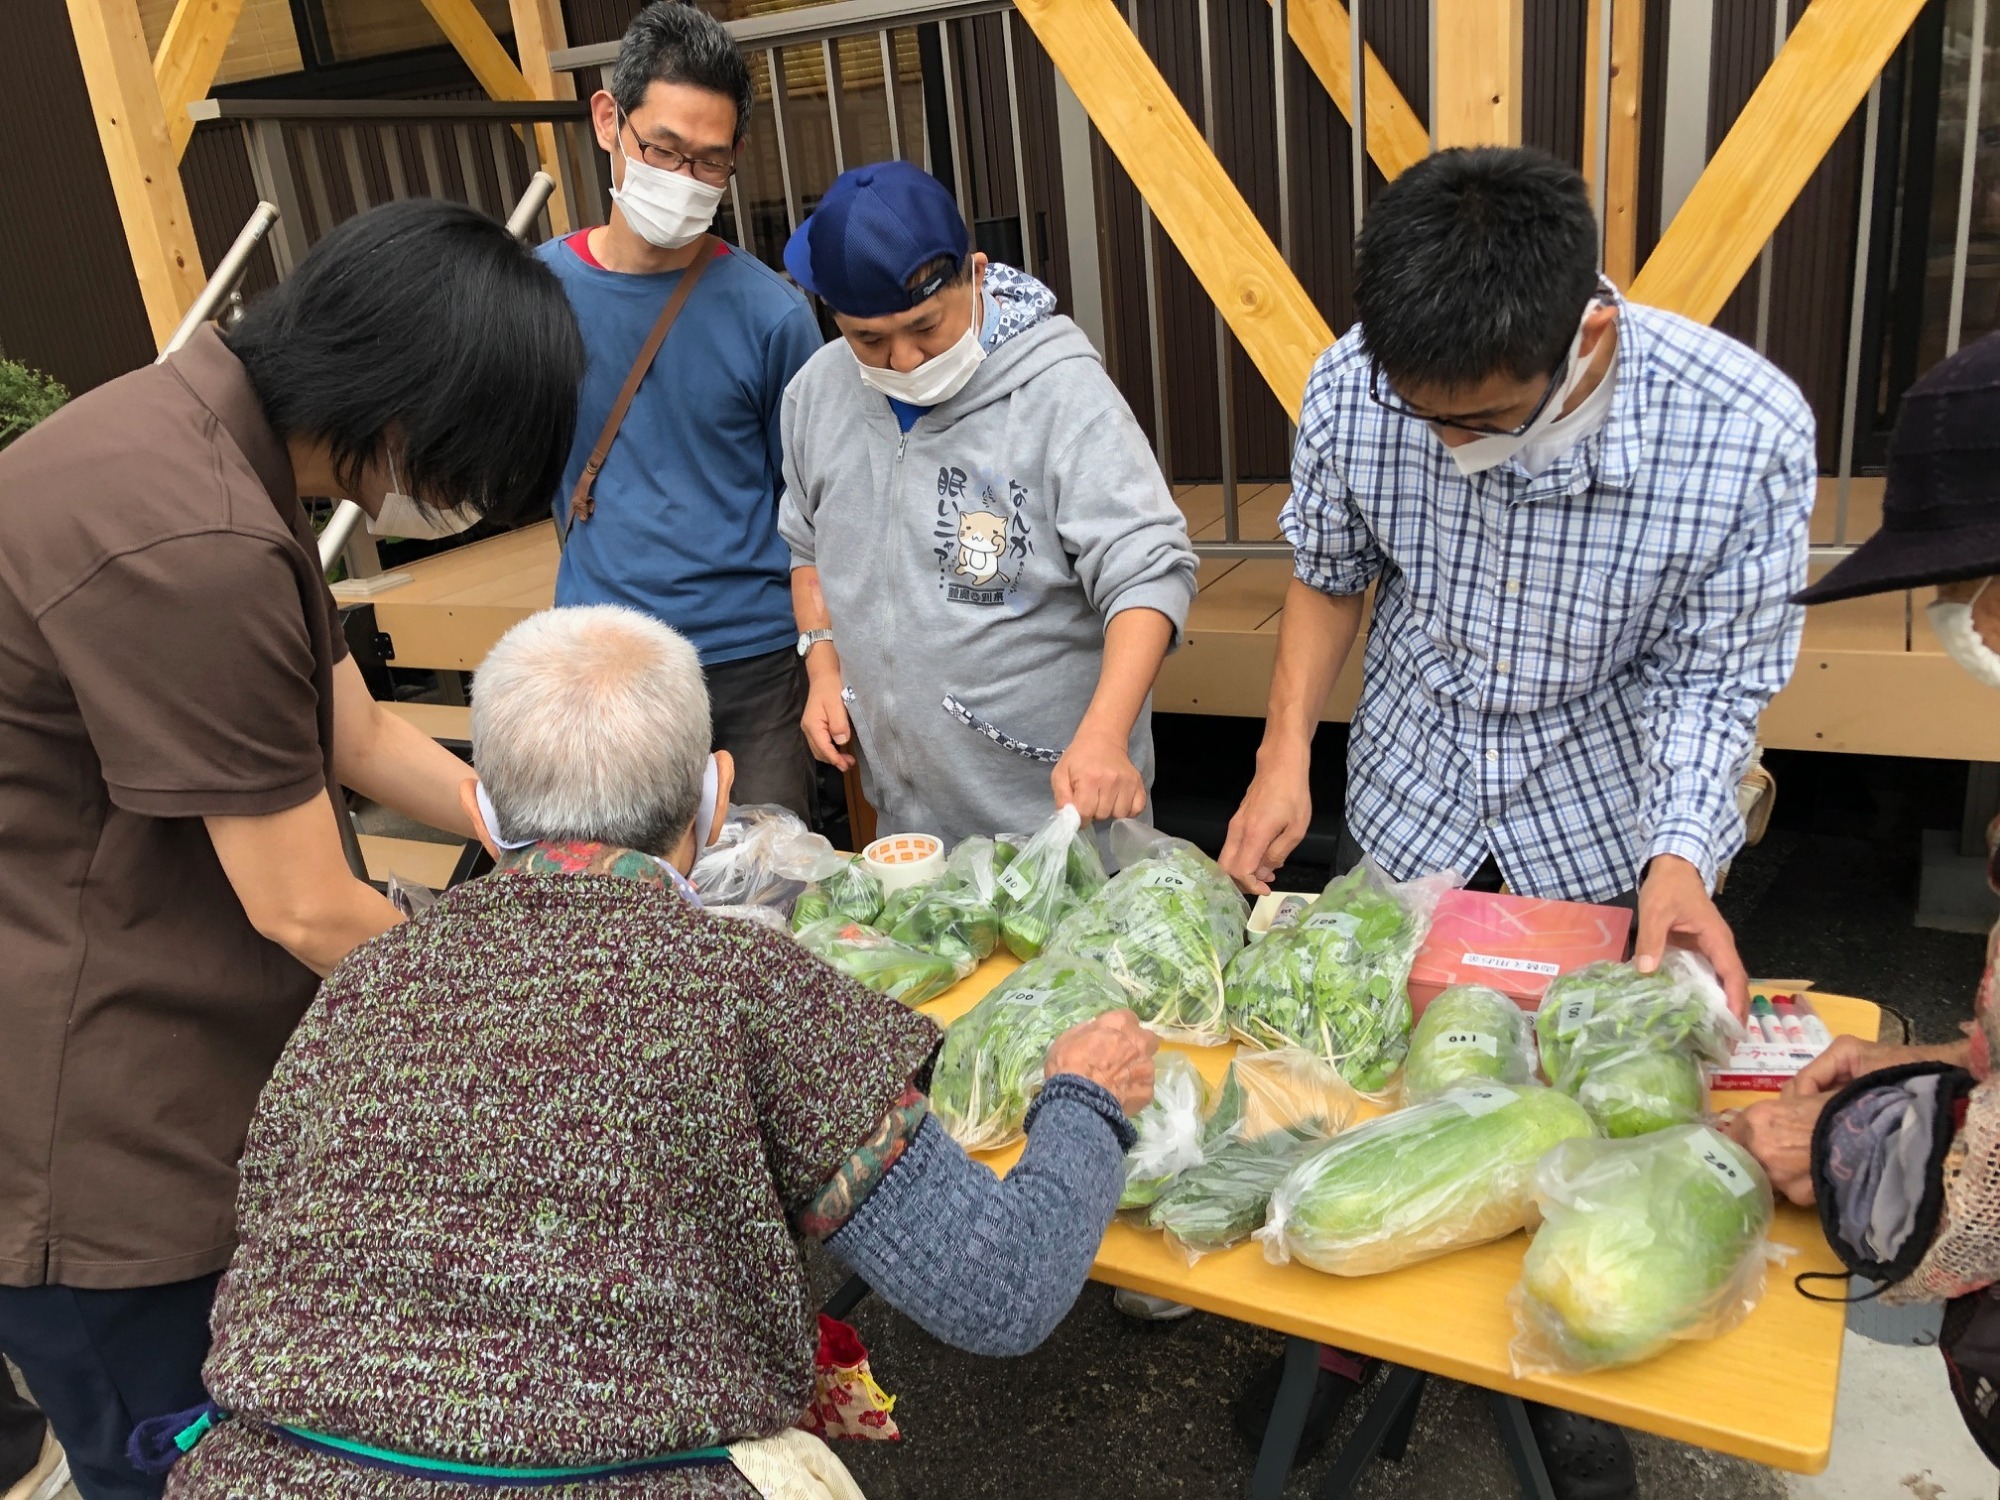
(26, 396)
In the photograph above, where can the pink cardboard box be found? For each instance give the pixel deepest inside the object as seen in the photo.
(1514, 944)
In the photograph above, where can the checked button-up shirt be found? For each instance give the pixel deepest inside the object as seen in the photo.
(1565, 671)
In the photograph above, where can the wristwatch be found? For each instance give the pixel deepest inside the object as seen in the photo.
(811, 638)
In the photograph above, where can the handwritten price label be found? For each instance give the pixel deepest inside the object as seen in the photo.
(1014, 881)
(1574, 1013)
(1478, 1041)
(1482, 1101)
(1714, 1156)
(1171, 880)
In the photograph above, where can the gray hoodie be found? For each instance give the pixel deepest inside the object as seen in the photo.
(978, 557)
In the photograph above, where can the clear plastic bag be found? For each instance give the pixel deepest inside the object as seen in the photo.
(990, 1066)
(764, 856)
(1336, 983)
(756, 916)
(871, 957)
(410, 897)
(1634, 1048)
(1468, 1034)
(1283, 1089)
(1170, 1130)
(1164, 926)
(849, 891)
(1642, 1242)
(1049, 878)
(943, 917)
(1404, 1187)
(1220, 1201)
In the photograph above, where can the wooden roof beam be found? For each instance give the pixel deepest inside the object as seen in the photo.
(1397, 139)
(1478, 73)
(539, 33)
(466, 29)
(190, 52)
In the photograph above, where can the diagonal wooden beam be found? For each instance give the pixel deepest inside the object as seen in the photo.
(538, 32)
(190, 52)
(466, 29)
(1478, 73)
(1621, 171)
(1397, 139)
(1186, 188)
(1799, 109)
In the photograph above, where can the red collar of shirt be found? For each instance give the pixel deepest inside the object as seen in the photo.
(579, 243)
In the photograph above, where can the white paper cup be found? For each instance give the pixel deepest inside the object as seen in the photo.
(904, 859)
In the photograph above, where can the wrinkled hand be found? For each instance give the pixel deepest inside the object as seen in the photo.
(1112, 1049)
(1779, 1132)
(1850, 1058)
(1098, 779)
(825, 722)
(1674, 907)
(1274, 817)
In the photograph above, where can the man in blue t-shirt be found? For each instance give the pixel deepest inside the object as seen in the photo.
(684, 523)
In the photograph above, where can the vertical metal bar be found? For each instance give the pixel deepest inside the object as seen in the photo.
(357, 178)
(1079, 196)
(775, 66)
(1961, 245)
(271, 170)
(1281, 112)
(427, 137)
(1155, 347)
(1357, 88)
(387, 137)
(951, 124)
(736, 210)
(1857, 306)
(1225, 386)
(892, 93)
(1600, 185)
(835, 101)
(1432, 80)
(316, 193)
(1690, 44)
(1021, 204)
(1781, 25)
(468, 166)
(497, 137)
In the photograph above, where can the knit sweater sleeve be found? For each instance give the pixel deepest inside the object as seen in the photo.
(991, 1264)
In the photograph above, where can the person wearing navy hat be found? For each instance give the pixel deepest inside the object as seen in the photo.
(987, 566)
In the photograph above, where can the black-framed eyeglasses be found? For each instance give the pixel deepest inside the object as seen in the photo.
(714, 173)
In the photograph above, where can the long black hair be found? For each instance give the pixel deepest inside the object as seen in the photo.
(427, 330)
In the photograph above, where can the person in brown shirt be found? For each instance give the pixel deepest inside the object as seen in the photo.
(176, 710)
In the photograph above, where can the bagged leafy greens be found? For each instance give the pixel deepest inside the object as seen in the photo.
(849, 892)
(1438, 1176)
(1630, 1047)
(953, 916)
(1642, 1242)
(871, 957)
(1220, 1202)
(1164, 927)
(1170, 1130)
(764, 856)
(1047, 880)
(1336, 982)
(990, 1065)
(1468, 1034)
(1267, 1091)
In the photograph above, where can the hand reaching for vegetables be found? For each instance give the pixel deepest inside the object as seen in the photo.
(1674, 907)
(1850, 1058)
(1113, 1050)
(1779, 1133)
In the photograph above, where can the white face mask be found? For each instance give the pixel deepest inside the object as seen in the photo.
(1484, 453)
(1962, 641)
(407, 517)
(666, 209)
(938, 378)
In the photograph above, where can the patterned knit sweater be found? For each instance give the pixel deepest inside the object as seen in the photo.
(523, 1190)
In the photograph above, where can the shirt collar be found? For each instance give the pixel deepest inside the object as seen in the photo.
(1621, 446)
(581, 857)
(220, 383)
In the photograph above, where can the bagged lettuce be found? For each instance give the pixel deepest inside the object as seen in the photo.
(1164, 927)
(1048, 879)
(1469, 1034)
(990, 1066)
(1170, 1130)
(871, 957)
(1630, 1047)
(1336, 982)
(1642, 1242)
(1222, 1200)
(1439, 1176)
(1267, 1091)
(849, 892)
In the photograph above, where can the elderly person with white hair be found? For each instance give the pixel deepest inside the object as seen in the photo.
(523, 1202)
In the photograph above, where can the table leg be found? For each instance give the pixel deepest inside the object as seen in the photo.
(1288, 1419)
(1388, 1416)
(1521, 1450)
(850, 1295)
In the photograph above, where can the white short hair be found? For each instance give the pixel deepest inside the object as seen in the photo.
(592, 723)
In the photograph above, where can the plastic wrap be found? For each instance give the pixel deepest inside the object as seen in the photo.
(758, 916)
(1469, 1034)
(990, 1066)
(1287, 1087)
(1335, 983)
(870, 956)
(1392, 1191)
(1642, 1242)
(764, 856)
(411, 898)
(849, 892)
(1631, 1047)
(1164, 927)
(1170, 1130)
(1220, 1201)
(1048, 879)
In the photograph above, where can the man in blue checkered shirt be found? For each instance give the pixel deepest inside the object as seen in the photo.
(1582, 520)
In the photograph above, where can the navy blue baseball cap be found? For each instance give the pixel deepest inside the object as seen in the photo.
(876, 227)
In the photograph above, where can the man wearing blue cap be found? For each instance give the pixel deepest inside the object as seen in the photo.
(986, 563)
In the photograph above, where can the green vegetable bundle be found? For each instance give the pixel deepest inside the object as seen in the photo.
(1220, 1202)
(1171, 1130)
(1642, 1242)
(1336, 982)
(1629, 1046)
(1050, 877)
(990, 1065)
(871, 957)
(1469, 1034)
(1164, 927)
(850, 893)
(1392, 1191)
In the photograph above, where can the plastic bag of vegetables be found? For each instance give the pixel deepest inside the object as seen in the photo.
(1276, 1090)
(764, 856)
(1164, 927)
(1170, 1130)
(1642, 1242)
(1392, 1191)
(871, 957)
(1336, 982)
(848, 892)
(1221, 1201)
(1469, 1034)
(990, 1065)
(1050, 877)
(1630, 1046)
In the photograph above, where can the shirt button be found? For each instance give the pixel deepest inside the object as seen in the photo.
(1492, 822)
(1492, 754)
(1501, 667)
(1513, 585)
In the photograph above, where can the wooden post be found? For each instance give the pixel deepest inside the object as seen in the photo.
(1478, 73)
(1621, 195)
(538, 32)
(190, 52)
(1396, 137)
(138, 153)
